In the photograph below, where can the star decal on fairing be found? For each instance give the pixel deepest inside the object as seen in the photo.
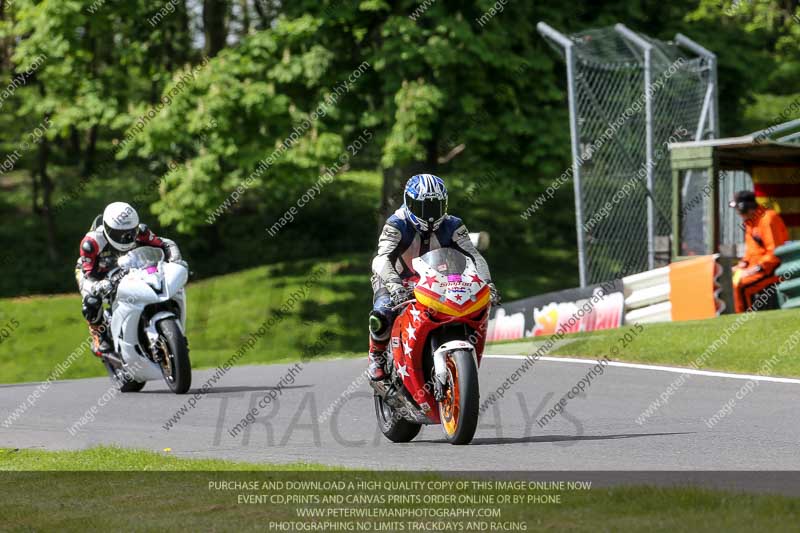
(430, 280)
(476, 279)
(401, 369)
(415, 313)
(406, 348)
(411, 332)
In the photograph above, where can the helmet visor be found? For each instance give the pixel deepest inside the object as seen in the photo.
(427, 209)
(122, 236)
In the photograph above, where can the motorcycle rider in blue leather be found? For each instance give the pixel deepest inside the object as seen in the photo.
(422, 224)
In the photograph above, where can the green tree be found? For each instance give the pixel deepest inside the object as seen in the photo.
(96, 60)
(757, 44)
(244, 104)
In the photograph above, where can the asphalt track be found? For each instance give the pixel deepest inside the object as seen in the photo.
(595, 431)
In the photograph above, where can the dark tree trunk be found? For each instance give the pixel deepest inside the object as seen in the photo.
(91, 151)
(215, 25)
(5, 64)
(35, 192)
(262, 16)
(74, 144)
(155, 91)
(392, 182)
(184, 41)
(169, 49)
(394, 179)
(243, 5)
(267, 11)
(47, 194)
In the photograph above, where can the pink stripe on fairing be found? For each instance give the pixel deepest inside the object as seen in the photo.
(152, 269)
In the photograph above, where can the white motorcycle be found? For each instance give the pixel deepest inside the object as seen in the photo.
(148, 322)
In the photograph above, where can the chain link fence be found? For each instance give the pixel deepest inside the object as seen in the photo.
(630, 96)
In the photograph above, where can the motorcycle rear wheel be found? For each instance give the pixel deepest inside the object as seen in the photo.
(175, 365)
(460, 408)
(394, 427)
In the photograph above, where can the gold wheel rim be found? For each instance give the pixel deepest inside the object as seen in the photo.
(449, 407)
(166, 367)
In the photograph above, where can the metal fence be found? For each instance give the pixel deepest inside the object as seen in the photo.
(629, 96)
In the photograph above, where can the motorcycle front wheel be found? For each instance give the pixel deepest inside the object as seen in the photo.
(174, 356)
(459, 409)
(394, 427)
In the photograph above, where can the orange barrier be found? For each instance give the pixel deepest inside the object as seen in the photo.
(685, 290)
(694, 291)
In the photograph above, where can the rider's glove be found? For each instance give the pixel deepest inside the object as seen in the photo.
(401, 294)
(102, 288)
(494, 296)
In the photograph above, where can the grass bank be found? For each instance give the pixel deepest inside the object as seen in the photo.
(764, 342)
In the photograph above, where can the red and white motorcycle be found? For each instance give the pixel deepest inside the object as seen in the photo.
(435, 350)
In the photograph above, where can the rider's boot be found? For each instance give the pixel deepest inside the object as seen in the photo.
(101, 342)
(377, 360)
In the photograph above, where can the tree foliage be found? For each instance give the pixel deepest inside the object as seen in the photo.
(236, 107)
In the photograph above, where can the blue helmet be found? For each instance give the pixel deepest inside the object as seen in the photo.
(425, 201)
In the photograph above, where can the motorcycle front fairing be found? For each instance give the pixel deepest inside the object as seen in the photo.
(175, 278)
(448, 292)
(133, 294)
(409, 337)
(146, 285)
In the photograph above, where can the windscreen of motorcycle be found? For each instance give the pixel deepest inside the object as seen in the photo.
(143, 257)
(449, 283)
(446, 261)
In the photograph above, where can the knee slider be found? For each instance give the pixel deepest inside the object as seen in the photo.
(379, 322)
(92, 309)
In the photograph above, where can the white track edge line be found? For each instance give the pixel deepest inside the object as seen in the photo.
(674, 369)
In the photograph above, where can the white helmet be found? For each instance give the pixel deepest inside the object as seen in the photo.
(121, 225)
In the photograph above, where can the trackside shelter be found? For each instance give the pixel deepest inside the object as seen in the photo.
(705, 175)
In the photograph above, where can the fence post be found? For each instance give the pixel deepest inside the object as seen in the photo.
(572, 97)
(647, 50)
(711, 57)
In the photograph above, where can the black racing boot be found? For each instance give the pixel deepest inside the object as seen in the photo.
(377, 361)
(101, 341)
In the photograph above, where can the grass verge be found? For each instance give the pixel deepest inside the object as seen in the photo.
(116, 459)
(194, 498)
(734, 343)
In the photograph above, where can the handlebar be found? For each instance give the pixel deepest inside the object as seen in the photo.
(403, 304)
(116, 275)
